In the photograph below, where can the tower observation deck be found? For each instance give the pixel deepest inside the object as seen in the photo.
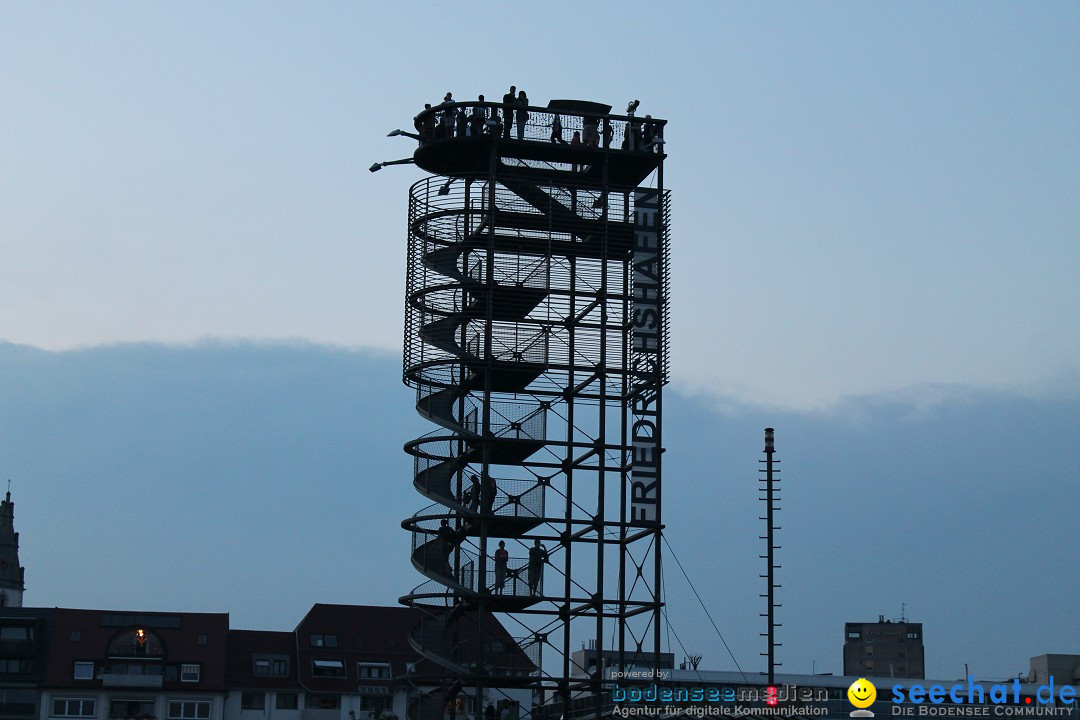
(536, 339)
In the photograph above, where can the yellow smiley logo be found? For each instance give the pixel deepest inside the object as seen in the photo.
(862, 693)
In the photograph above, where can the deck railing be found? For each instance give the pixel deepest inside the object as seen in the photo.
(471, 120)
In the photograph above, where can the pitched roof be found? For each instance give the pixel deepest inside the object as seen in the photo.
(370, 633)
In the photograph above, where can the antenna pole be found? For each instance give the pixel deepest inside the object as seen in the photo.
(771, 498)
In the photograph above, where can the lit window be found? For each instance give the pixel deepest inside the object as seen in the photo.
(73, 707)
(190, 672)
(84, 671)
(138, 642)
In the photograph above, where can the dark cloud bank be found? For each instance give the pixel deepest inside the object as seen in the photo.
(260, 478)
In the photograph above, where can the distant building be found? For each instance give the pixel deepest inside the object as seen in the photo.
(1065, 669)
(11, 571)
(583, 662)
(884, 649)
(25, 635)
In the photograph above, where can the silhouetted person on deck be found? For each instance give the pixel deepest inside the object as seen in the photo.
(509, 101)
(522, 113)
(447, 539)
(537, 557)
(502, 557)
(556, 129)
(491, 489)
(478, 118)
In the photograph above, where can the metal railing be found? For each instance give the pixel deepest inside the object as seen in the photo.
(472, 120)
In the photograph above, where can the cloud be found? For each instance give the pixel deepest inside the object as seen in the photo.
(258, 478)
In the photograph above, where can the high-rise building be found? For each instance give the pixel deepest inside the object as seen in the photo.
(886, 648)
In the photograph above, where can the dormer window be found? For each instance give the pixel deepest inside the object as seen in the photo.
(190, 672)
(270, 665)
(327, 667)
(328, 641)
(373, 670)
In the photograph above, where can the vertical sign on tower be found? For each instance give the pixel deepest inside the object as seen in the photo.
(646, 363)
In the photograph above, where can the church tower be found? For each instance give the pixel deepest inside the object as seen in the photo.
(11, 572)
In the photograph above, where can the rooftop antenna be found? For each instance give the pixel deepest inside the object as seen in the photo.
(903, 611)
(771, 497)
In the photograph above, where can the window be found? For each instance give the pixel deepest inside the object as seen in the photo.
(122, 668)
(854, 634)
(14, 666)
(136, 709)
(73, 707)
(323, 701)
(10, 634)
(272, 665)
(329, 641)
(374, 700)
(913, 635)
(152, 621)
(200, 639)
(287, 701)
(76, 635)
(190, 672)
(189, 710)
(376, 670)
(327, 668)
(19, 702)
(84, 671)
(252, 700)
(139, 642)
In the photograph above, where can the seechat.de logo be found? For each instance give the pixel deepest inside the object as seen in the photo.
(973, 693)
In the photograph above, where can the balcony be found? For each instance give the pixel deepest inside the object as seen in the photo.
(130, 680)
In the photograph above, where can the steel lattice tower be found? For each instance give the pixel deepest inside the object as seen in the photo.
(536, 340)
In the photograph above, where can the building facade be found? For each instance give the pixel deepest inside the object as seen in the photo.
(884, 649)
(341, 662)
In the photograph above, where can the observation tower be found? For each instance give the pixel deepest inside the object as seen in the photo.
(536, 339)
